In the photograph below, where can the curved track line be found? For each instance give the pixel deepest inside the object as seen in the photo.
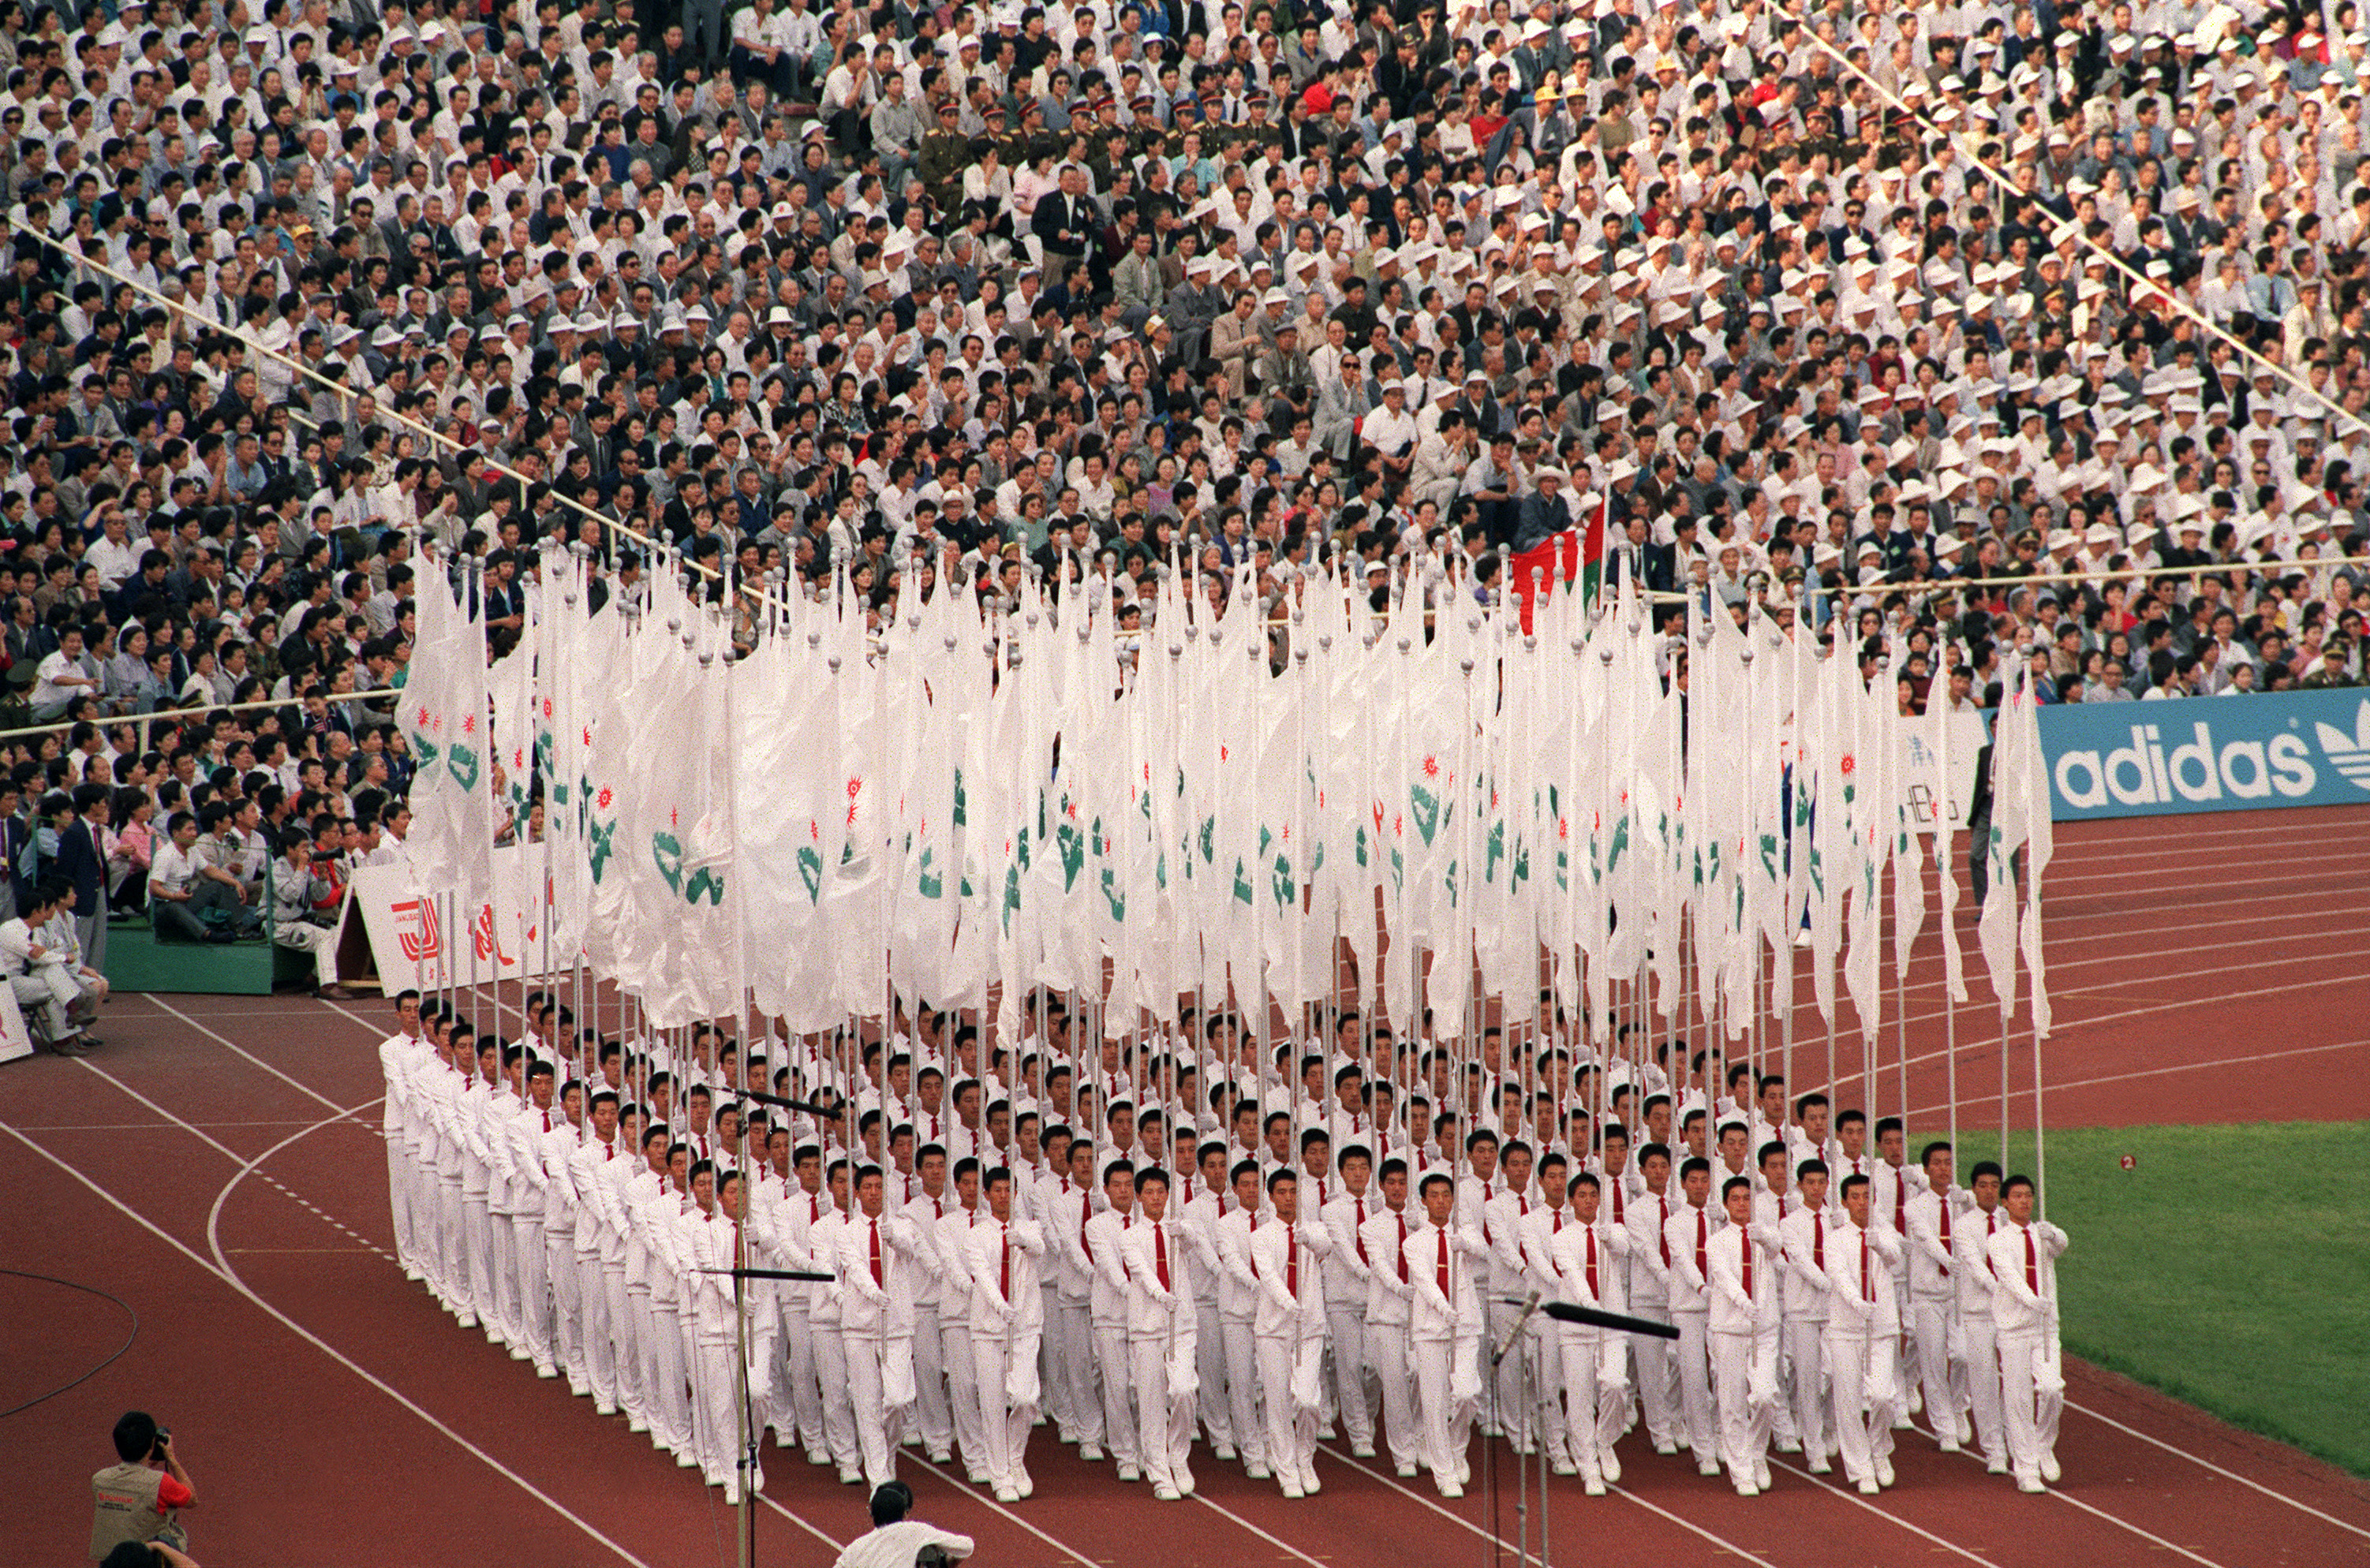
(226, 1276)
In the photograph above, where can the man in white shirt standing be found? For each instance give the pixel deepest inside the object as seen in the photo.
(2024, 1309)
(1933, 1213)
(1444, 1330)
(1743, 1337)
(1971, 1272)
(1390, 1293)
(1161, 1326)
(877, 1270)
(398, 1054)
(1585, 1257)
(1805, 1234)
(1288, 1319)
(1863, 1339)
(1688, 1233)
(1348, 1272)
(1008, 1315)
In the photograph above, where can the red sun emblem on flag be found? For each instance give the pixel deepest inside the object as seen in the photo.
(1851, 764)
(603, 799)
(588, 735)
(422, 720)
(1223, 753)
(468, 723)
(1563, 828)
(547, 709)
(1432, 767)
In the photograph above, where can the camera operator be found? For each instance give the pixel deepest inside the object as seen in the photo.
(147, 1554)
(896, 1541)
(296, 922)
(139, 1497)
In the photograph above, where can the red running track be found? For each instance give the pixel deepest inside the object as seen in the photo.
(218, 1167)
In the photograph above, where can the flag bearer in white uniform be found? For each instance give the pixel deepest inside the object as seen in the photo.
(1444, 1330)
(1863, 1332)
(1002, 1255)
(1348, 1284)
(2024, 1312)
(1162, 1324)
(1585, 1255)
(1806, 1234)
(1935, 1214)
(1287, 1259)
(1688, 1233)
(1970, 1246)
(1391, 1297)
(1743, 1336)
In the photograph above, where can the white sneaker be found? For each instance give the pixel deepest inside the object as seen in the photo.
(1884, 1471)
(942, 1455)
(1361, 1450)
(1225, 1451)
(2049, 1471)
(1790, 1445)
(1666, 1447)
(685, 1460)
(1565, 1467)
(1747, 1489)
(1292, 1490)
(1916, 1400)
(1948, 1445)
(1309, 1483)
(1594, 1486)
(1406, 1472)
(1090, 1453)
(546, 1371)
(1451, 1488)
(1130, 1472)
(1869, 1488)
(1820, 1467)
(2030, 1484)
(1023, 1484)
(1708, 1469)
(1255, 1471)
(1609, 1468)
(1995, 1467)
(1163, 1492)
(1006, 1494)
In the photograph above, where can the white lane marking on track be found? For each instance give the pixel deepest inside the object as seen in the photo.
(221, 1270)
(1679, 1519)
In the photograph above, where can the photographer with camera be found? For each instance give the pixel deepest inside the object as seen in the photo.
(296, 922)
(147, 1554)
(896, 1541)
(138, 1498)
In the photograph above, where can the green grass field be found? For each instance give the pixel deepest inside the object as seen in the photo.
(2229, 1268)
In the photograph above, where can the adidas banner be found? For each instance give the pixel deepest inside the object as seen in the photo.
(2207, 754)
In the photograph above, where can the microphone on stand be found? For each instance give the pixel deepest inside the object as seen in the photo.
(1515, 1333)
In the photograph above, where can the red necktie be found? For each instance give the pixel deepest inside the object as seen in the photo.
(876, 1255)
(1443, 1268)
(938, 1207)
(1702, 1233)
(1004, 1271)
(1252, 1252)
(1945, 1204)
(2031, 1264)
(1746, 1252)
(1084, 1245)
(1662, 1234)
(1361, 1233)
(1991, 1228)
(547, 1121)
(1616, 1201)
(1160, 1255)
(1403, 1274)
(1818, 1243)
(1867, 1280)
(608, 1152)
(1591, 1258)
(1291, 1264)
(1900, 1203)
(814, 1208)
